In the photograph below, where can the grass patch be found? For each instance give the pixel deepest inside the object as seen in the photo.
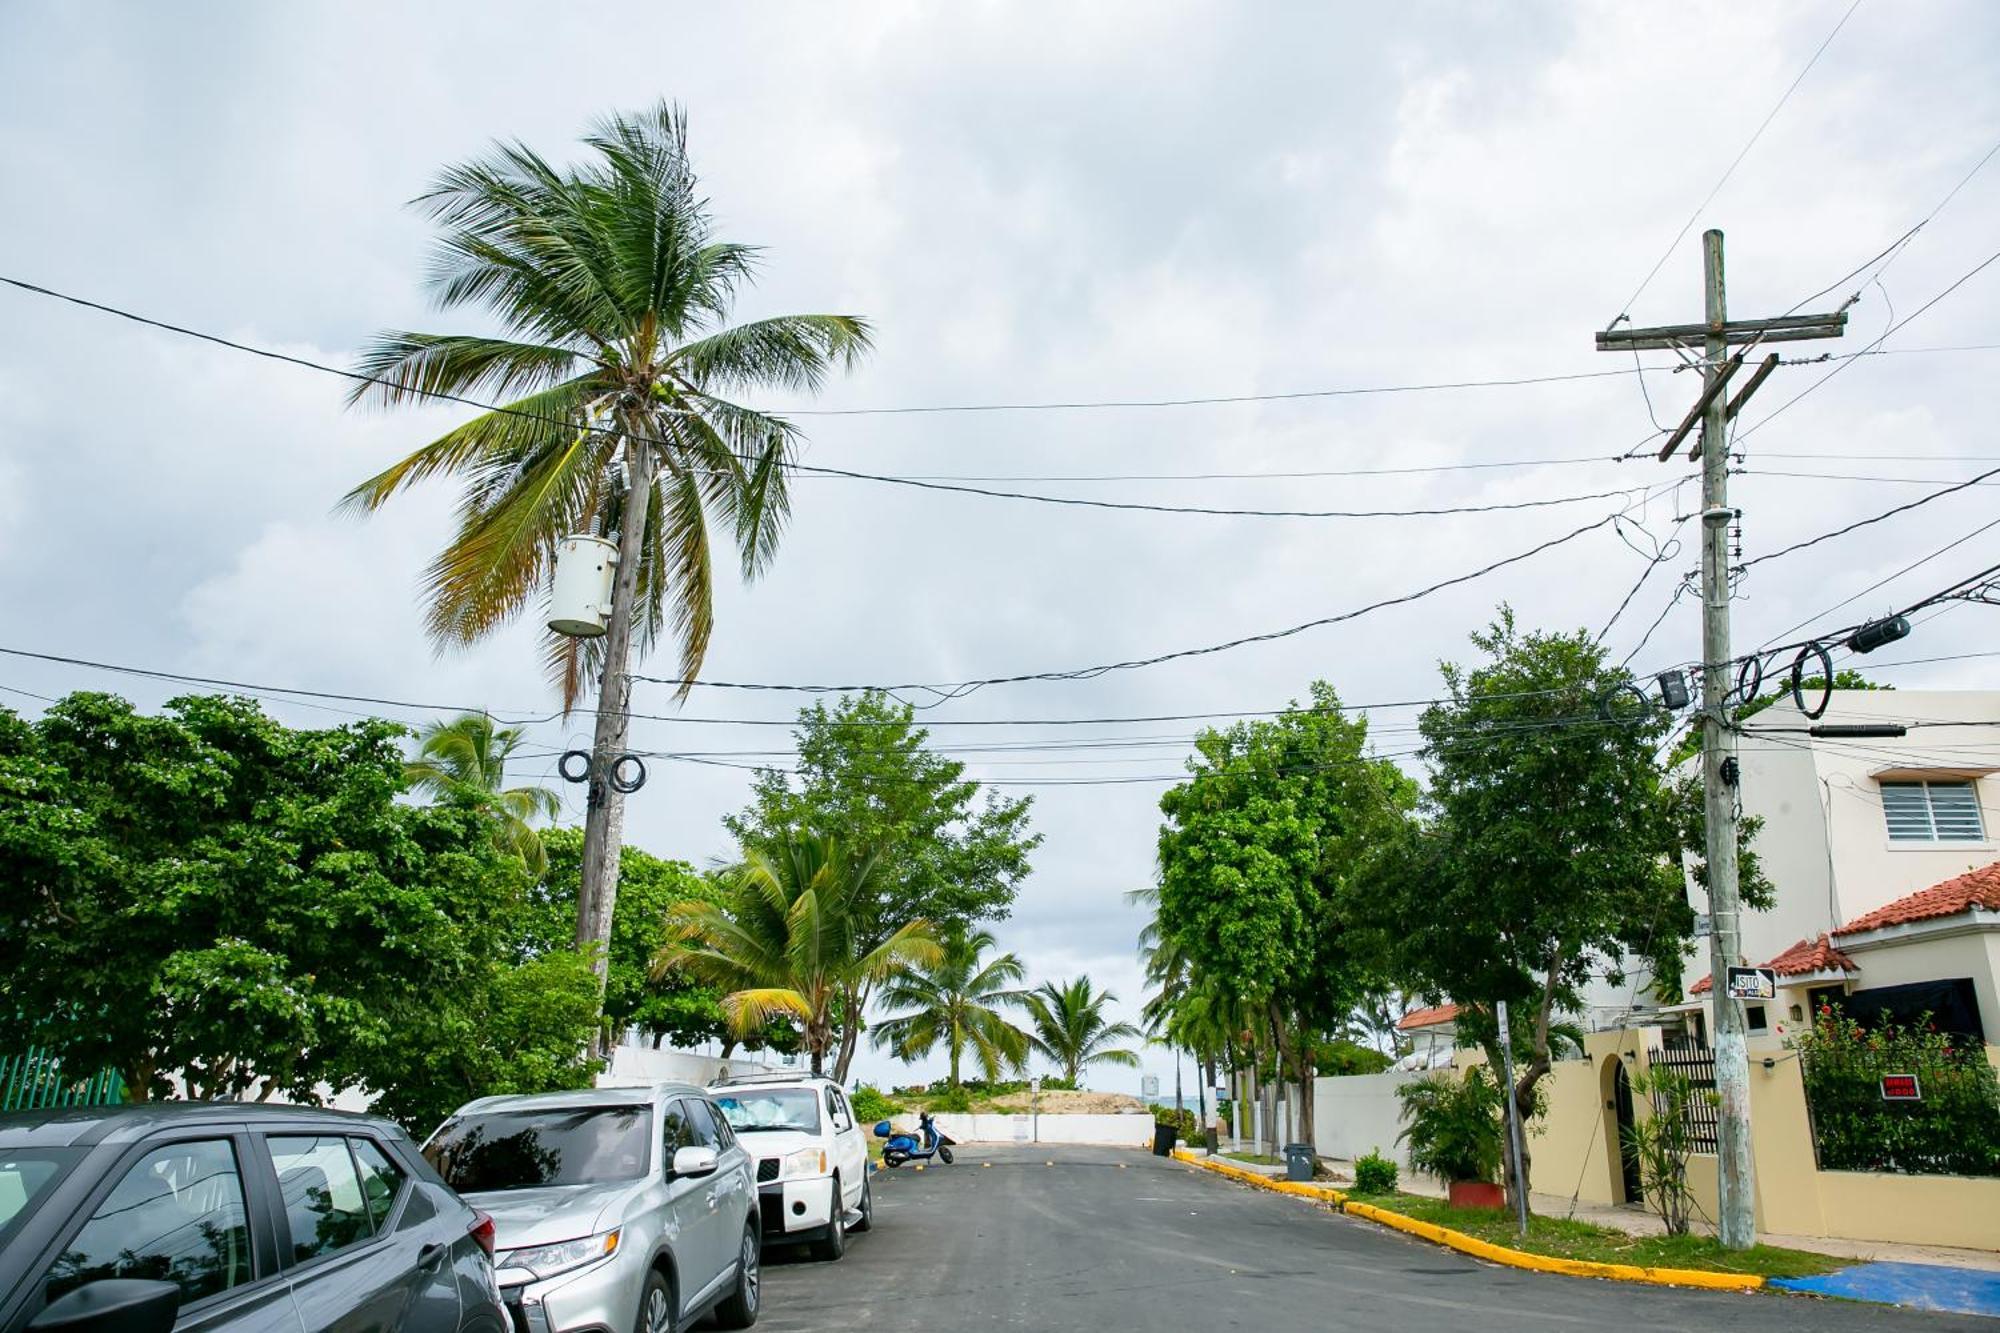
(1253, 1158)
(1566, 1238)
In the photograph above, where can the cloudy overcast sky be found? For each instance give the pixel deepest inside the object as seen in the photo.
(1034, 204)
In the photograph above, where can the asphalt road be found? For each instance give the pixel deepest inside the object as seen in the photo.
(1109, 1240)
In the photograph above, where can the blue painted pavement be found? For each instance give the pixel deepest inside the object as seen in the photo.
(1920, 1286)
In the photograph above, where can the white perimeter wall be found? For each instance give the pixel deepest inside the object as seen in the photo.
(1114, 1130)
(1357, 1115)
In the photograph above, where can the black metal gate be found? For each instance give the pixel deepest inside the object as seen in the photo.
(1696, 1065)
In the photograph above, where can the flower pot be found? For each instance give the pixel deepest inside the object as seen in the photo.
(1476, 1194)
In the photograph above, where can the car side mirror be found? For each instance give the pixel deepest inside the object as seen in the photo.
(113, 1305)
(699, 1161)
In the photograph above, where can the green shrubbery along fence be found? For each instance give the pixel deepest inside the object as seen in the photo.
(1953, 1130)
(35, 1080)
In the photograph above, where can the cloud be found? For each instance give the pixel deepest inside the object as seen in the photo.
(1034, 203)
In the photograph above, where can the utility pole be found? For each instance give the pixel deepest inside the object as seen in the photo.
(1720, 774)
(1518, 1186)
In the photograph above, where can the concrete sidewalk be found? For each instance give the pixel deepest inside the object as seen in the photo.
(1640, 1222)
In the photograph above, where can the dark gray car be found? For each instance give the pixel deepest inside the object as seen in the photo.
(230, 1216)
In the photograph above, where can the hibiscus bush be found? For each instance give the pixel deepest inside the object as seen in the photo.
(1953, 1130)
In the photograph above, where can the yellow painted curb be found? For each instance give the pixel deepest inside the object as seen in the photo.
(1500, 1254)
(1297, 1188)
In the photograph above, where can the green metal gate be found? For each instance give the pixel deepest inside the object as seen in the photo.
(35, 1080)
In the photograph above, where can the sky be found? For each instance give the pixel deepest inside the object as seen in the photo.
(1033, 204)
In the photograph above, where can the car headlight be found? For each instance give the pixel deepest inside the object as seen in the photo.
(804, 1162)
(545, 1261)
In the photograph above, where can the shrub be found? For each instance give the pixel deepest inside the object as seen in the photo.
(1184, 1121)
(958, 1100)
(1374, 1174)
(1335, 1059)
(1454, 1125)
(1661, 1144)
(1954, 1130)
(870, 1105)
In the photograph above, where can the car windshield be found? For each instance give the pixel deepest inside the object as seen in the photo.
(563, 1145)
(749, 1110)
(25, 1174)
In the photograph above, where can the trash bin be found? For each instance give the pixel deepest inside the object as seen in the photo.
(1163, 1138)
(1300, 1159)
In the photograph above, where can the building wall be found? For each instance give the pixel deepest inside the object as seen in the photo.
(1821, 803)
(1359, 1114)
(1893, 961)
(1125, 1131)
(1574, 1153)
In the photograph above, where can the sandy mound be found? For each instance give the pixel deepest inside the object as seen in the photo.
(1053, 1102)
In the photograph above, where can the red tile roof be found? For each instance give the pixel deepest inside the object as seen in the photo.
(1803, 958)
(1427, 1018)
(1975, 888)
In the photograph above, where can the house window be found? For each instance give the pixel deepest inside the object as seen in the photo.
(1932, 812)
(1754, 1014)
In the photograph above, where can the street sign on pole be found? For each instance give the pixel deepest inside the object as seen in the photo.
(1149, 1086)
(1753, 983)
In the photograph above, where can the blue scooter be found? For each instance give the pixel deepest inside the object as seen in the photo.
(928, 1142)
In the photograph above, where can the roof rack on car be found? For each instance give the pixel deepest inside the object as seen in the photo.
(775, 1076)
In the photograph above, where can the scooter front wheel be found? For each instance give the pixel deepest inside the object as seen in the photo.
(945, 1154)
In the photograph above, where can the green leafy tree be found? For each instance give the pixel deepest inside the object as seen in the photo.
(467, 758)
(676, 1009)
(956, 1002)
(619, 373)
(1068, 1027)
(1259, 859)
(209, 900)
(865, 776)
(787, 942)
(1550, 847)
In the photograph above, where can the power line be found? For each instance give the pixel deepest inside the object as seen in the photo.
(1872, 519)
(1736, 162)
(1213, 401)
(960, 688)
(1914, 564)
(1894, 250)
(1852, 358)
(294, 694)
(807, 468)
(1843, 476)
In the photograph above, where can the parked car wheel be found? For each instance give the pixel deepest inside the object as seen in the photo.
(835, 1242)
(867, 1206)
(656, 1305)
(740, 1310)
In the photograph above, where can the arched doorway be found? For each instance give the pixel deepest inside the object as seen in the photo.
(1628, 1160)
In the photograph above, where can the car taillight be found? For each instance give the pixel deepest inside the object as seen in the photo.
(481, 1230)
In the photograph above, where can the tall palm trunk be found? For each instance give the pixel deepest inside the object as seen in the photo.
(604, 817)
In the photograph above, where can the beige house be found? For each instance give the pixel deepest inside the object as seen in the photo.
(1882, 853)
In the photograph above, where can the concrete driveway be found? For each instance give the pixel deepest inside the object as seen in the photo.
(1108, 1240)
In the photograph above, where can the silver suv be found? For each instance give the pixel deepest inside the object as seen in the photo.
(620, 1208)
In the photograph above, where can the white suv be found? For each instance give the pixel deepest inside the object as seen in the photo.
(812, 1158)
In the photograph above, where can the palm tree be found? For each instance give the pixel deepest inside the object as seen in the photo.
(955, 1002)
(786, 942)
(612, 294)
(1069, 1027)
(466, 758)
